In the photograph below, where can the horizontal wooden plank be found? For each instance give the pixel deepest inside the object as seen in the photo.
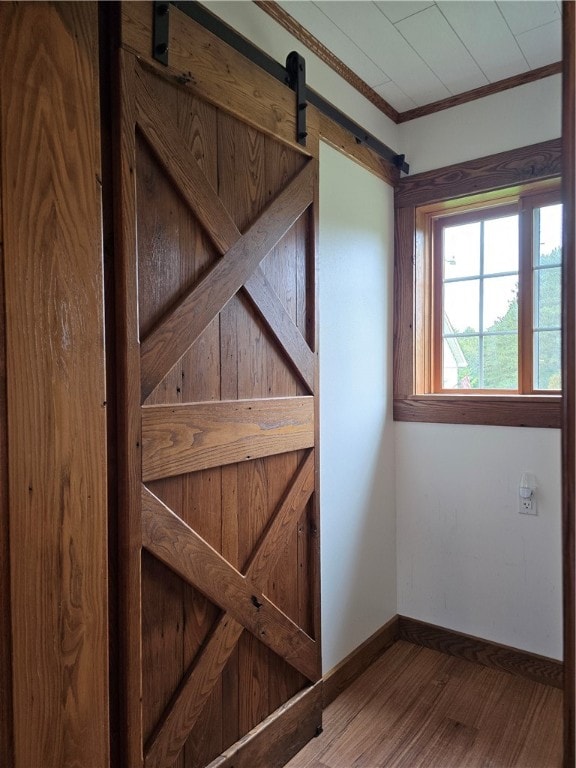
(199, 60)
(521, 411)
(179, 547)
(505, 169)
(162, 349)
(193, 692)
(540, 669)
(187, 437)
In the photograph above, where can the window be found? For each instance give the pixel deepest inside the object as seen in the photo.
(477, 309)
(496, 280)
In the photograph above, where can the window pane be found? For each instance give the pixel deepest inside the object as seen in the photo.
(462, 250)
(460, 363)
(501, 245)
(547, 360)
(461, 306)
(547, 290)
(500, 306)
(500, 362)
(548, 235)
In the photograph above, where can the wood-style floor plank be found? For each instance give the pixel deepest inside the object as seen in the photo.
(418, 708)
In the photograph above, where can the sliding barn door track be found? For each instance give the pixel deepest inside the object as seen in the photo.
(292, 75)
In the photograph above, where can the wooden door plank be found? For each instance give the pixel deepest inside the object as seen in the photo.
(6, 721)
(165, 346)
(129, 425)
(177, 439)
(269, 549)
(173, 542)
(189, 700)
(167, 143)
(282, 326)
(55, 384)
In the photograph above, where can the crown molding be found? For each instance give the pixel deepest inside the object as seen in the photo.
(282, 17)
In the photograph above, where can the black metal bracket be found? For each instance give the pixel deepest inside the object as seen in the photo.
(161, 32)
(296, 68)
(400, 163)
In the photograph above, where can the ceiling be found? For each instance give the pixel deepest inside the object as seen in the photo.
(416, 53)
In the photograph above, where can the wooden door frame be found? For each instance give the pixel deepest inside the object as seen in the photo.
(569, 377)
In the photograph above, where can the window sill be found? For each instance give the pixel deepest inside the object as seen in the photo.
(490, 410)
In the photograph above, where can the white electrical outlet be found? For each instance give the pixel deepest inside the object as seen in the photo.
(528, 506)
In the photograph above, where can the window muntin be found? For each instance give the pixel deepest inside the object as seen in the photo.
(496, 298)
(547, 277)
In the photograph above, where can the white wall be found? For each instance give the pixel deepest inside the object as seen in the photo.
(358, 537)
(507, 120)
(467, 560)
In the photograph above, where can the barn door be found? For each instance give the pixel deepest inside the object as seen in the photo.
(218, 430)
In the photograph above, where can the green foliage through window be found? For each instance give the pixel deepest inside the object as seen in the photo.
(485, 353)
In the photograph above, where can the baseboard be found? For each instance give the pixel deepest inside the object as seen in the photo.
(280, 736)
(351, 667)
(538, 668)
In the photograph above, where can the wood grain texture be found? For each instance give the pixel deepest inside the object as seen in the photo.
(202, 179)
(282, 326)
(166, 345)
(166, 141)
(540, 669)
(190, 699)
(357, 662)
(202, 675)
(418, 707)
(505, 169)
(569, 378)
(200, 61)
(188, 437)
(412, 370)
(129, 423)
(164, 138)
(55, 383)
(6, 721)
(182, 550)
(403, 351)
(280, 736)
(484, 90)
(506, 411)
(338, 138)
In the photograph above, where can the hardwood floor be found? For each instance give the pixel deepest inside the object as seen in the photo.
(416, 708)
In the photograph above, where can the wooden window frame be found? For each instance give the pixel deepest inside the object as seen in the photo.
(487, 181)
